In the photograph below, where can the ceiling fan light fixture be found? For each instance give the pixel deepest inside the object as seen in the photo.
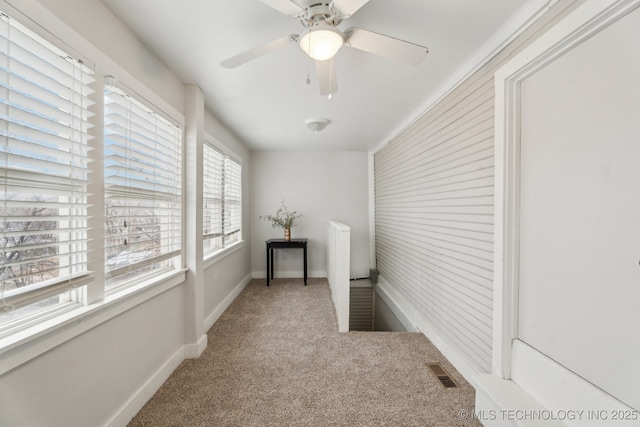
(316, 125)
(322, 42)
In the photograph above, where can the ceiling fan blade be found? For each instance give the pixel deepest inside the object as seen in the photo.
(385, 46)
(258, 51)
(326, 72)
(349, 7)
(287, 7)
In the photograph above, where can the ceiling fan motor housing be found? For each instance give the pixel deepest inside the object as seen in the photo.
(320, 14)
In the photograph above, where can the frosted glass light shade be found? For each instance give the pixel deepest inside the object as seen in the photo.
(316, 125)
(321, 42)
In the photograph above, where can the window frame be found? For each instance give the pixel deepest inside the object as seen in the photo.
(93, 305)
(215, 254)
(46, 140)
(172, 259)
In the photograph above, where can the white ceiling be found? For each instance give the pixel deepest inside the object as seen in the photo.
(266, 101)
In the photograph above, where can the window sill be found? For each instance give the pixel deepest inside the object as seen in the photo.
(221, 254)
(19, 348)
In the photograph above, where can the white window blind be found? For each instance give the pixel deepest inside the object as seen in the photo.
(43, 172)
(143, 181)
(222, 200)
(212, 198)
(232, 201)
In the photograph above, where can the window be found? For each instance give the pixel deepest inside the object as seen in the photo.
(51, 211)
(212, 198)
(43, 175)
(143, 181)
(231, 214)
(222, 200)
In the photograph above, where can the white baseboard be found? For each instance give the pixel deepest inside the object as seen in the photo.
(559, 389)
(293, 274)
(502, 403)
(188, 351)
(225, 303)
(412, 320)
(146, 391)
(381, 288)
(193, 351)
(545, 393)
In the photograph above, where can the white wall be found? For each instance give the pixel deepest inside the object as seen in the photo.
(92, 377)
(224, 277)
(101, 365)
(322, 186)
(107, 43)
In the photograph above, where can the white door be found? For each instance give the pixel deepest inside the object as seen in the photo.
(579, 291)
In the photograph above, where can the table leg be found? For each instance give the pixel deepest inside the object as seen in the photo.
(272, 256)
(305, 264)
(267, 264)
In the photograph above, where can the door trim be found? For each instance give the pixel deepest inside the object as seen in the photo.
(587, 20)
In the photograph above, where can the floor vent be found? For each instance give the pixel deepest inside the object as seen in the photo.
(442, 375)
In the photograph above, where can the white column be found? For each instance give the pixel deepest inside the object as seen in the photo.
(195, 333)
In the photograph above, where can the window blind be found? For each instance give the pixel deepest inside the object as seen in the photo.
(143, 181)
(212, 198)
(232, 200)
(222, 199)
(43, 170)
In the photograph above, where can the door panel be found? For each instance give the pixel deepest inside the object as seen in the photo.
(579, 293)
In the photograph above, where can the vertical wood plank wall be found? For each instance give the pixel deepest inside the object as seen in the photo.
(434, 208)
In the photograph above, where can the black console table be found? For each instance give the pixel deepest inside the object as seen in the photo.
(285, 244)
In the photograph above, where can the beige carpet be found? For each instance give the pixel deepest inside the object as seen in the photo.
(275, 358)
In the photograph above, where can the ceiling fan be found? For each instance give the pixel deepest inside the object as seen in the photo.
(321, 38)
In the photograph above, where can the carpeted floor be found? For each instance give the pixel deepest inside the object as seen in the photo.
(275, 358)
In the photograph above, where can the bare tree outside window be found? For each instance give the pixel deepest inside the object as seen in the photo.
(133, 232)
(29, 242)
